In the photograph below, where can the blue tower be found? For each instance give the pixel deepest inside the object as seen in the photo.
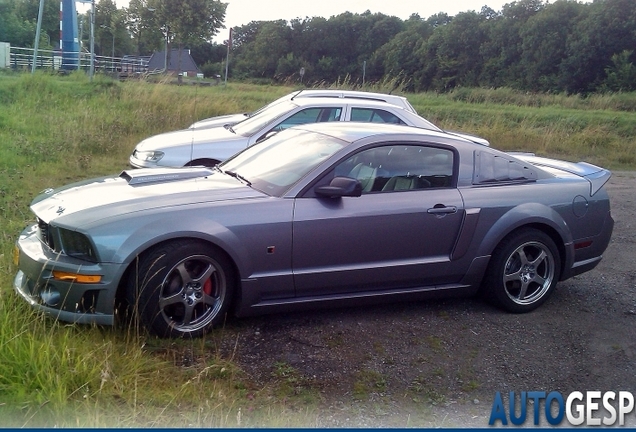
(69, 41)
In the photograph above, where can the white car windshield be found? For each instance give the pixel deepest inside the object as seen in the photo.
(254, 124)
(276, 164)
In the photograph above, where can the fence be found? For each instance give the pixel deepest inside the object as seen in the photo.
(22, 59)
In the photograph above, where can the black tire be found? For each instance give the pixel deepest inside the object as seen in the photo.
(183, 289)
(523, 271)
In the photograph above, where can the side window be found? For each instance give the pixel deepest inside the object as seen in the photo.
(372, 115)
(310, 115)
(400, 168)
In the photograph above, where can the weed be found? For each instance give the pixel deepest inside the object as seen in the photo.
(291, 387)
(368, 381)
(285, 372)
(335, 340)
(443, 314)
(471, 385)
(423, 390)
(378, 347)
(435, 343)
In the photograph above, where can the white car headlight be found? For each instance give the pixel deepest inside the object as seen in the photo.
(148, 156)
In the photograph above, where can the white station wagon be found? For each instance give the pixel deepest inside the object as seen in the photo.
(209, 146)
(232, 119)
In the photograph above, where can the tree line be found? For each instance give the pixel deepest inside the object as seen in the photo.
(530, 45)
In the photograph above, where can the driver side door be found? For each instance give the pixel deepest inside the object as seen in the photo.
(399, 234)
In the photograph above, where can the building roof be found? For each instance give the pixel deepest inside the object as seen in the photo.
(179, 61)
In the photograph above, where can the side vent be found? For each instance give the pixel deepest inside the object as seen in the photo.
(492, 169)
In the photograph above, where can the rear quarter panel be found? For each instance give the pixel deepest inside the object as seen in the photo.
(545, 204)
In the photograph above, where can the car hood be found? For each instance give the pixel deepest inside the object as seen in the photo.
(188, 137)
(230, 119)
(135, 191)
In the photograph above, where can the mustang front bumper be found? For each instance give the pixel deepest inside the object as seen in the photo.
(66, 300)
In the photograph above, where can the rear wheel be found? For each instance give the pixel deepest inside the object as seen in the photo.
(523, 271)
(183, 288)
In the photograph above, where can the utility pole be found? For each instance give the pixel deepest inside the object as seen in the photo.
(227, 59)
(364, 71)
(37, 36)
(92, 69)
(79, 51)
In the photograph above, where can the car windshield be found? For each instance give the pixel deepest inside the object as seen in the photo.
(271, 104)
(255, 123)
(276, 164)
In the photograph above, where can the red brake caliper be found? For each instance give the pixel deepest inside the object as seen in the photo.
(207, 287)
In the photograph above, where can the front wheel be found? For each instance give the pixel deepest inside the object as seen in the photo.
(183, 289)
(523, 271)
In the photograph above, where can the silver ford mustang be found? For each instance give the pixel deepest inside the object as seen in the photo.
(323, 214)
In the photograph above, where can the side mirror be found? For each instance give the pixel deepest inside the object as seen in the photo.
(340, 187)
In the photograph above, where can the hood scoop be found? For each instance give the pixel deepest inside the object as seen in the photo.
(162, 175)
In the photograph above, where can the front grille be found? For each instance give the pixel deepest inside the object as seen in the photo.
(46, 235)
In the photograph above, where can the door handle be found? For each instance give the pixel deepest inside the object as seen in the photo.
(441, 209)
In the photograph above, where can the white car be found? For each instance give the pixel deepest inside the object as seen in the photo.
(232, 119)
(207, 147)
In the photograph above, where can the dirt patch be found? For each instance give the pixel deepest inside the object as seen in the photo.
(440, 363)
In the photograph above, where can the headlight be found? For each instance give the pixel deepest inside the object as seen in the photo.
(77, 245)
(148, 156)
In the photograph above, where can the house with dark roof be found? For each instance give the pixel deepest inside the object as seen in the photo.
(179, 61)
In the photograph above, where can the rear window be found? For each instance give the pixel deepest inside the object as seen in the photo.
(372, 115)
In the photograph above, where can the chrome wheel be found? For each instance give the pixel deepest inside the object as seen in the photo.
(523, 271)
(192, 293)
(529, 272)
(182, 288)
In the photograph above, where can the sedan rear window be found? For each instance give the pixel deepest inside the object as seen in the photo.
(373, 115)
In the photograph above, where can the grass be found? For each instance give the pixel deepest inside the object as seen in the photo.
(602, 136)
(368, 382)
(55, 130)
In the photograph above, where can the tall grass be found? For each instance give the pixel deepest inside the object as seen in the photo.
(54, 130)
(506, 96)
(549, 125)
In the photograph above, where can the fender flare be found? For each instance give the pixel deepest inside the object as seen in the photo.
(160, 230)
(533, 214)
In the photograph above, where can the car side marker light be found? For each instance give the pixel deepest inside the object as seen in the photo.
(74, 277)
(583, 244)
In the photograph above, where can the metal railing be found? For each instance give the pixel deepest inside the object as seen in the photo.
(22, 59)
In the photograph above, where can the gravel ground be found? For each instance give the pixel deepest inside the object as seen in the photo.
(440, 363)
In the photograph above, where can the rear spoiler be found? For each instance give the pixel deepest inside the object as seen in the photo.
(597, 176)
